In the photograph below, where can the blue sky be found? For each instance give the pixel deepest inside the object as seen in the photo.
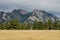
(48, 5)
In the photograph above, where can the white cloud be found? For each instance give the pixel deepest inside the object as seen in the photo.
(53, 5)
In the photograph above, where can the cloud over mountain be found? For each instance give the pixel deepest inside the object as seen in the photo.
(53, 5)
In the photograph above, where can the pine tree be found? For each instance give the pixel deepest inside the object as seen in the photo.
(56, 25)
(48, 25)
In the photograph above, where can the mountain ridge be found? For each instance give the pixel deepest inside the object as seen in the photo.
(26, 16)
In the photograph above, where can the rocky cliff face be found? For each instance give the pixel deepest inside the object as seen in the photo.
(25, 16)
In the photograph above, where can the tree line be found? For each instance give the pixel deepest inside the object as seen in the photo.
(16, 25)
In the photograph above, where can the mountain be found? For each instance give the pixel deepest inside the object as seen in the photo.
(26, 16)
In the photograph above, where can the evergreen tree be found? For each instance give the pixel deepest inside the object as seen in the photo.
(56, 25)
(35, 25)
(15, 24)
(48, 25)
(40, 25)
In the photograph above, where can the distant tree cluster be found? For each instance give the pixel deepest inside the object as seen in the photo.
(16, 25)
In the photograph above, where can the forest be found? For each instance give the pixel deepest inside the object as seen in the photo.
(16, 25)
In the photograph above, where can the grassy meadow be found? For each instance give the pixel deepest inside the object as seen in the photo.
(29, 35)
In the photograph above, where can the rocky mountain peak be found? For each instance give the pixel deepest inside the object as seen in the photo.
(21, 11)
(26, 16)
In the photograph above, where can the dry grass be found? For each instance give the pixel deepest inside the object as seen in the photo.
(29, 35)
